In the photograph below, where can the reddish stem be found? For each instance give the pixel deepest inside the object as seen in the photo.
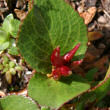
(77, 63)
(67, 57)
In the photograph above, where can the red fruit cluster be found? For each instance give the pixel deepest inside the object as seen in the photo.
(60, 62)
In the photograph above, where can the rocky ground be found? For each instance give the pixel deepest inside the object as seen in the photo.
(96, 15)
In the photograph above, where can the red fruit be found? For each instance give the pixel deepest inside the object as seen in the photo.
(56, 59)
(65, 71)
(56, 73)
(59, 62)
(61, 71)
(67, 57)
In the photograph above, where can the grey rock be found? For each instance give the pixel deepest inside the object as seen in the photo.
(102, 20)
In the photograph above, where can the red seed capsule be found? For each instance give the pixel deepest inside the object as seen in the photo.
(56, 59)
(59, 62)
(65, 71)
(61, 71)
(67, 57)
(56, 73)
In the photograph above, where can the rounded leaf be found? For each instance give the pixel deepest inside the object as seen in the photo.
(51, 93)
(50, 24)
(15, 102)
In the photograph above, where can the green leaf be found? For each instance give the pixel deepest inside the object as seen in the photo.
(104, 103)
(48, 25)
(50, 93)
(11, 25)
(80, 106)
(4, 45)
(14, 102)
(12, 71)
(4, 39)
(1, 67)
(13, 51)
(91, 73)
(84, 100)
(103, 89)
(99, 93)
(15, 27)
(4, 36)
(45, 108)
(12, 64)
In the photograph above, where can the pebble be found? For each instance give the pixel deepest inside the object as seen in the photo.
(91, 26)
(80, 9)
(88, 15)
(102, 20)
(107, 25)
(29, 72)
(101, 46)
(77, 3)
(90, 3)
(2, 94)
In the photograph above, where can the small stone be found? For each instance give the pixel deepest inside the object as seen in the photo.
(107, 25)
(101, 46)
(91, 26)
(77, 3)
(21, 14)
(102, 20)
(88, 15)
(80, 9)
(90, 3)
(20, 4)
(2, 94)
(29, 72)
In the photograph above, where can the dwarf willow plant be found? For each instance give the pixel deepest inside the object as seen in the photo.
(51, 24)
(9, 68)
(8, 33)
(48, 25)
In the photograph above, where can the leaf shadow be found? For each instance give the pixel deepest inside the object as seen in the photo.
(76, 78)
